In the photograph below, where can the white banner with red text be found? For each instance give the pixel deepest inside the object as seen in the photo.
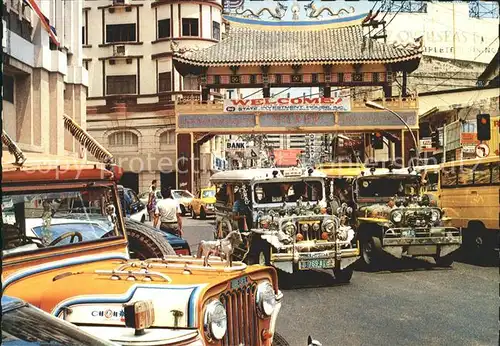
(284, 104)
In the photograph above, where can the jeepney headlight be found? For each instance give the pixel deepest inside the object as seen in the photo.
(265, 299)
(304, 227)
(328, 226)
(290, 228)
(435, 215)
(316, 227)
(397, 216)
(215, 320)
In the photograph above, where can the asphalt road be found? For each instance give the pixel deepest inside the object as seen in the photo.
(411, 303)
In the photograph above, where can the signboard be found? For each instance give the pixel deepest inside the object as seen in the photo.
(286, 157)
(285, 104)
(482, 150)
(236, 146)
(426, 144)
(468, 138)
(468, 149)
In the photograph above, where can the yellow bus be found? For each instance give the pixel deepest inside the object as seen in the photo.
(469, 192)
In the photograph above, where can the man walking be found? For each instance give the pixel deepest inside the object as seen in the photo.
(169, 213)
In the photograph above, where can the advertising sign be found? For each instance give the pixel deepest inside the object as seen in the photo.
(285, 104)
(426, 144)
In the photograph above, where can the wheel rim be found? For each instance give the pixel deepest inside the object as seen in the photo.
(479, 242)
(262, 259)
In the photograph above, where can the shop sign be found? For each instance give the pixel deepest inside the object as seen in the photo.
(285, 104)
(468, 138)
(469, 149)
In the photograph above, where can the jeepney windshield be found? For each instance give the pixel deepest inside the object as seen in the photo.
(290, 191)
(388, 186)
(39, 219)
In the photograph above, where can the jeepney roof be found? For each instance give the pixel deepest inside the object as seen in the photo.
(386, 171)
(44, 167)
(255, 174)
(340, 170)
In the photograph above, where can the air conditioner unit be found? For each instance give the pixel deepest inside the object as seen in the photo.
(119, 50)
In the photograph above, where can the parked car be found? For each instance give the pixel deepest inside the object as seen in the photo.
(144, 197)
(184, 198)
(132, 206)
(94, 283)
(24, 325)
(204, 203)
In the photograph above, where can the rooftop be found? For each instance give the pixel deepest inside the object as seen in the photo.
(338, 41)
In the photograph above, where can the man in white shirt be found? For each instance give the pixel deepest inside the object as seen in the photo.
(169, 212)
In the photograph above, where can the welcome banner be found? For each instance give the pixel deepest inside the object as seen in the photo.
(299, 104)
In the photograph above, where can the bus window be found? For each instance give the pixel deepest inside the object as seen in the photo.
(495, 173)
(465, 175)
(482, 174)
(432, 181)
(449, 177)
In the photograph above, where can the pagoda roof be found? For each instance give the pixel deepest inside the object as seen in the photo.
(339, 41)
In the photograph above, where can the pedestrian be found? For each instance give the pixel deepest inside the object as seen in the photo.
(152, 203)
(240, 212)
(169, 213)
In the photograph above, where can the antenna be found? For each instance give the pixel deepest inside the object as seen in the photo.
(13, 148)
(88, 141)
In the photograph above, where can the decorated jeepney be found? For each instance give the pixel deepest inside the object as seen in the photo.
(282, 214)
(65, 250)
(395, 217)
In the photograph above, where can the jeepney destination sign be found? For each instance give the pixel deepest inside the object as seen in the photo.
(298, 104)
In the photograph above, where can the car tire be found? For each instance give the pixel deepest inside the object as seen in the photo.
(145, 242)
(260, 254)
(279, 340)
(193, 215)
(143, 218)
(445, 261)
(371, 253)
(183, 210)
(203, 215)
(343, 275)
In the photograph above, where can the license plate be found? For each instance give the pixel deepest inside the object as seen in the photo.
(317, 263)
(408, 233)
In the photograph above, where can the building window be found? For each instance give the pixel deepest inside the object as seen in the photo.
(216, 31)
(118, 85)
(120, 33)
(123, 138)
(191, 83)
(164, 81)
(86, 64)
(167, 139)
(163, 28)
(83, 36)
(189, 27)
(8, 88)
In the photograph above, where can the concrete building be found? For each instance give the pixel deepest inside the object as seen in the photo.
(42, 81)
(128, 48)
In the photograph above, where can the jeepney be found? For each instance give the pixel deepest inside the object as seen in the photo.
(393, 216)
(285, 223)
(81, 272)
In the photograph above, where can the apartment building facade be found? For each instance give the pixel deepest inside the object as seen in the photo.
(128, 47)
(43, 75)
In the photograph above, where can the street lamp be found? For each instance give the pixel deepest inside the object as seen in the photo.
(375, 105)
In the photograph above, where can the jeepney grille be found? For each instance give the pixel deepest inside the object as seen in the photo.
(310, 234)
(242, 323)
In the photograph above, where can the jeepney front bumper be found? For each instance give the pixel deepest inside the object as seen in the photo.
(314, 254)
(436, 241)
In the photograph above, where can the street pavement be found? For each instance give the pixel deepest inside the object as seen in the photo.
(411, 303)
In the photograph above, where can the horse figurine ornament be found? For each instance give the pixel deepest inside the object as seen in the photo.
(222, 247)
(312, 342)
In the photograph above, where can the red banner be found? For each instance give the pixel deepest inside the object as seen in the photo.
(286, 157)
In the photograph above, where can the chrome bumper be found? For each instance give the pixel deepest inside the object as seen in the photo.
(432, 245)
(274, 316)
